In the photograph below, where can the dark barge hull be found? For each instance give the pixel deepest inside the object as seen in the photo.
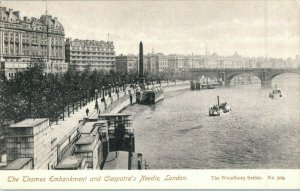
(149, 97)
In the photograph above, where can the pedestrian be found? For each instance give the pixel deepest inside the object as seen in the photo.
(97, 106)
(87, 111)
(130, 97)
(117, 93)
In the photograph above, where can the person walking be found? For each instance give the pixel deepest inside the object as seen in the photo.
(87, 111)
(130, 96)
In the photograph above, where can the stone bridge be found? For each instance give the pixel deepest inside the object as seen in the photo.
(265, 75)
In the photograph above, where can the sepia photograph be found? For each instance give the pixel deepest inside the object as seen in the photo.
(150, 85)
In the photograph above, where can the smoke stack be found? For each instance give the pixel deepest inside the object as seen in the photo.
(141, 61)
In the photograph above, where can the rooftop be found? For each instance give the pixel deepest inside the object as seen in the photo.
(17, 164)
(36, 24)
(29, 122)
(87, 128)
(85, 140)
(70, 162)
(114, 115)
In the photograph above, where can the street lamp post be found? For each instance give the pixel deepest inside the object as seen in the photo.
(63, 105)
(96, 97)
(103, 94)
(109, 92)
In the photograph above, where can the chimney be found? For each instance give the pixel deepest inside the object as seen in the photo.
(17, 14)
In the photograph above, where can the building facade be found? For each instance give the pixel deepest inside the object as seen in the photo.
(30, 139)
(150, 64)
(161, 62)
(127, 63)
(30, 41)
(98, 55)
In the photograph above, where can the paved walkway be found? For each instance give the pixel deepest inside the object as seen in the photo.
(64, 127)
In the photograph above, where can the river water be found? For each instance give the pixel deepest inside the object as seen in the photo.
(260, 132)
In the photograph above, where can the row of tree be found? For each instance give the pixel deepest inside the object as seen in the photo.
(32, 94)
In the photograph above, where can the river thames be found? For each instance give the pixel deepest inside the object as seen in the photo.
(259, 133)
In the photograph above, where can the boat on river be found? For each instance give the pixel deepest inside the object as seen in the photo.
(225, 108)
(275, 93)
(216, 110)
(150, 96)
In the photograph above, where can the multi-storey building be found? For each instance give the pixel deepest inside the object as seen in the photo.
(150, 64)
(98, 55)
(127, 63)
(161, 62)
(30, 41)
(178, 63)
(173, 63)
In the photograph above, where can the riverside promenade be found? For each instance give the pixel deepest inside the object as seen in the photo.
(64, 133)
(112, 105)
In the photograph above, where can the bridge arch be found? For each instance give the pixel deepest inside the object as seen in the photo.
(273, 75)
(230, 76)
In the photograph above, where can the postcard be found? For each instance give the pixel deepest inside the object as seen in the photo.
(150, 94)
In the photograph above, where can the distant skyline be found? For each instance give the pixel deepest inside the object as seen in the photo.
(251, 28)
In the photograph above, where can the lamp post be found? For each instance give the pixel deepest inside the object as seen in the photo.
(96, 96)
(117, 89)
(109, 90)
(103, 94)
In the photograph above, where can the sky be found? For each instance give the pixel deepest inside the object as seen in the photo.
(250, 28)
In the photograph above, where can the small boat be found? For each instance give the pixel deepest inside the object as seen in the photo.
(213, 111)
(275, 93)
(216, 110)
(225, 107)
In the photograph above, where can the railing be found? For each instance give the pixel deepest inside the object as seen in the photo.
(103, 107)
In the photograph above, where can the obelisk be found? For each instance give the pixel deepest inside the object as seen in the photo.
(141, 67)
(141, 61)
